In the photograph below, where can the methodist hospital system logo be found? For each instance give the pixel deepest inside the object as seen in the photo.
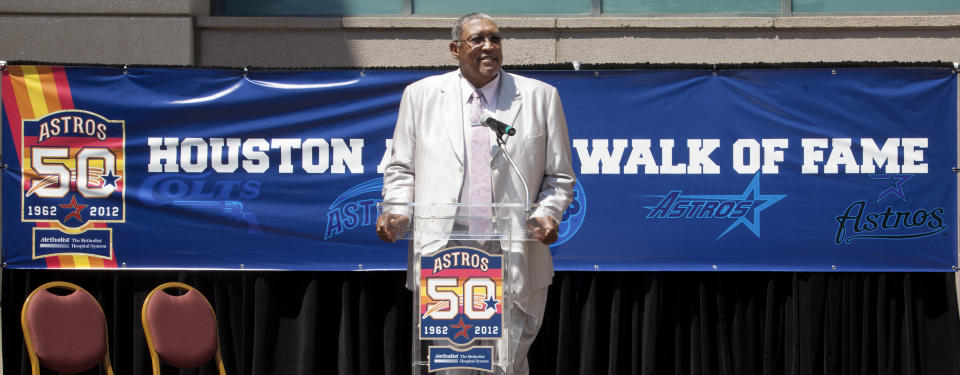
(73, 182)
(357, 207)
(744, 208)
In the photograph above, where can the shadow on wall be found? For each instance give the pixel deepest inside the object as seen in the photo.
(289, 33)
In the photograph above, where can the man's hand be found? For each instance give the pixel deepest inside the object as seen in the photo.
(543, 229)
(390, 226)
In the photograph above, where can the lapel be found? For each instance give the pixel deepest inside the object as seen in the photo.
(508, 100)
(451, 113)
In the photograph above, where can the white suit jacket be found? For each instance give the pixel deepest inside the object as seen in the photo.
(427, 161)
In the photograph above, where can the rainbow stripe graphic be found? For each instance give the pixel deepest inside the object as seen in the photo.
(30, 93)
(462, 276)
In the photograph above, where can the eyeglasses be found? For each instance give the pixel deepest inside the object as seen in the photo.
(479, 40)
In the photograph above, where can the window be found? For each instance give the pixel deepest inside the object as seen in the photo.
(860, 6)
(307, 7)
(533, 7)
(691, 6)
(335, 8)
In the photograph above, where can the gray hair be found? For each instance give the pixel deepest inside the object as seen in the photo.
(458, 27)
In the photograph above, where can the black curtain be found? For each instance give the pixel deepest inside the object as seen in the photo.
(596, 322)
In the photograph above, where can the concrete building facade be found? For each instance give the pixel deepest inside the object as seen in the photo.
(182, 32)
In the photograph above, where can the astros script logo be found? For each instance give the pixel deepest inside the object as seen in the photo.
(73, 182)
(891, 216)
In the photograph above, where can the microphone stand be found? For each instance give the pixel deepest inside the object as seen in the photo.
(526, 191)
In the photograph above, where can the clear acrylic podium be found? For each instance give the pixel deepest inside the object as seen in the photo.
(461, 280)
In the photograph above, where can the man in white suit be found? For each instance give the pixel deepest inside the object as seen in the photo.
(440, 155)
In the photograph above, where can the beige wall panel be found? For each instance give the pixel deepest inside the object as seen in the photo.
(869, 45)
(353, 47)
(767, 45)
(525, 47)
(106, 40)
(318, 48)
(170, 7)
(663, 46)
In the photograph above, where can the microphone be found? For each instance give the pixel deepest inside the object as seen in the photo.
(497, 125)
(501, 129)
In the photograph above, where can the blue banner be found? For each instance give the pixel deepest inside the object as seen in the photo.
(773, 169)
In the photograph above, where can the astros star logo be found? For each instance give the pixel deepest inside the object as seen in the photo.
(751, 193)
(76, 209)
(464, 329)
(896, 185)
(766, 201)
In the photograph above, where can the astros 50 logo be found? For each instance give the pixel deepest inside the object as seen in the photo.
(461, 295)
(73, 178)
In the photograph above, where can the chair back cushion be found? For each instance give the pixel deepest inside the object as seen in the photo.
(183, 328)
(68, 333)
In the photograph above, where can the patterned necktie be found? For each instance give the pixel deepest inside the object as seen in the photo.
(479, 166)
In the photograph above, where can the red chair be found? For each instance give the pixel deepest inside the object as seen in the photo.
(64, 333)
(181, 330)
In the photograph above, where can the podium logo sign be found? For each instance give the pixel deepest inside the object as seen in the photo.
(461, 295)
(73, 182)
(474, 358)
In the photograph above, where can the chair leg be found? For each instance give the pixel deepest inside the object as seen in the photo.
(219, 361)
(107, 367)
